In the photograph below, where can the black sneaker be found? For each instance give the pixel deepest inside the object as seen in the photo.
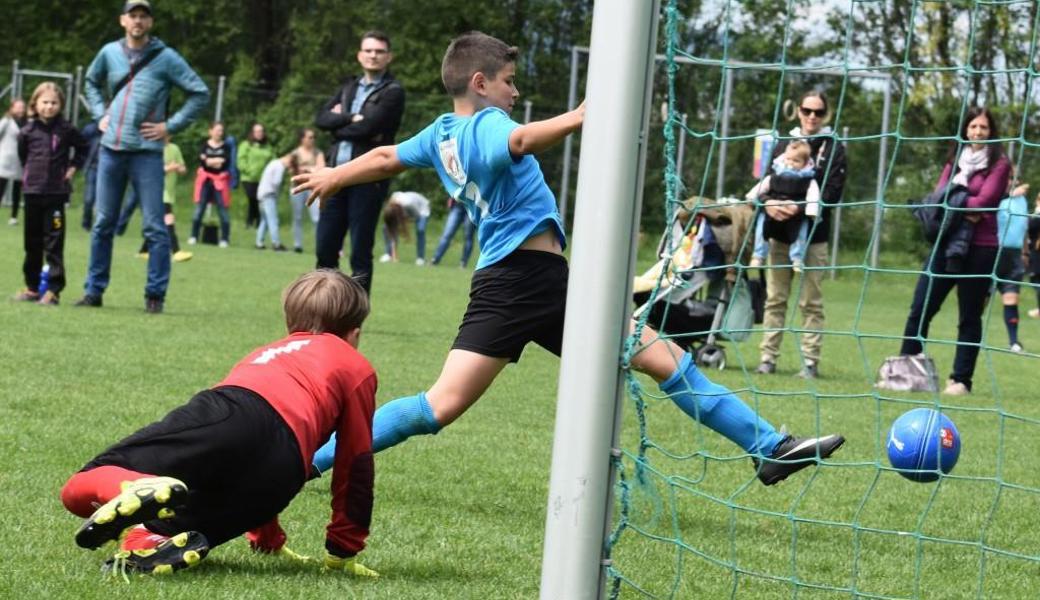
(298, 250)
(141, 500)
(153, 305)
(766, 368)
(89, 300)
(794, 454)
(179, 552)
(279, 248)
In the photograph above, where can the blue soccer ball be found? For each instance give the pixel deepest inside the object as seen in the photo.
(921, 443)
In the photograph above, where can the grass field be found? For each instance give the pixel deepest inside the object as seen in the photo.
(461, 515)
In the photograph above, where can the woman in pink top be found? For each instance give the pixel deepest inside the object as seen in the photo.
(983, 169)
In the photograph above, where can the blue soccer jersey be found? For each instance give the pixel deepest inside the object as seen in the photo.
(505, 196)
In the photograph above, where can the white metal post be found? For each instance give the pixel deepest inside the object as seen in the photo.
(568, 143)
(220, 98)
(528, 105)
(727, 92)
(74, 100)
(875, 236)
(622, 52)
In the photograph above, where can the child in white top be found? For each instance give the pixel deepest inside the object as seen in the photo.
(402, 207)
(267, 191)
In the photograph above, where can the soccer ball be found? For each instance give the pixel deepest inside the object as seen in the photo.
(921, 442)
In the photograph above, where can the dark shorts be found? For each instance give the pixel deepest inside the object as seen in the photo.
(236, 454)
(1011, 269)
(517, 300)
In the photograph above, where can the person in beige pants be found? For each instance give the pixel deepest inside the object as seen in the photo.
(829, 160)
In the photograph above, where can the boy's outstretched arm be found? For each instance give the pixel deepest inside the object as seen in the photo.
(375, 165)
(542, 135)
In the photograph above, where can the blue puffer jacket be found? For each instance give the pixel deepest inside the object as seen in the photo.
(145, 97)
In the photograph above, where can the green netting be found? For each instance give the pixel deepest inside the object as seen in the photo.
(690, 518)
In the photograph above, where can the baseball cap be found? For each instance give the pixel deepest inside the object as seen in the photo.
(129, 6)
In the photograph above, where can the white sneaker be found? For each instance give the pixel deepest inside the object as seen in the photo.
(956, 388)
(419, 262)
(384, 258)
(192, 241)
(1034, 313)
(223, 244)
(797, 265)
(1017, 348)
(12, 221)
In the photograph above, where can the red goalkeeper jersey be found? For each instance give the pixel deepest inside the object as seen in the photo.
(321, 384)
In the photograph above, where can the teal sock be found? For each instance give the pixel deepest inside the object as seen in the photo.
(717, 408)
(394, 422)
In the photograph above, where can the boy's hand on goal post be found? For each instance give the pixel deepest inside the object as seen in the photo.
(350, 566)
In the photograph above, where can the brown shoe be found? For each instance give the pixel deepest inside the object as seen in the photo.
(49, 298)
(26, 295)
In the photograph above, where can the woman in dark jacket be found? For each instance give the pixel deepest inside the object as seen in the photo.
(983, 169)
(781, 228)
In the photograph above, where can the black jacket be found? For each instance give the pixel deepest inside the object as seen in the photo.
(829, 159)
(44, 151)
(382, 113)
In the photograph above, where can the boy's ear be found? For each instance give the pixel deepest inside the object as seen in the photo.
(353, 336)
(478, 83)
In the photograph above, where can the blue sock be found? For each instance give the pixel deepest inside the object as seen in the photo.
(394, 422)
(400, 419)
(717, 408)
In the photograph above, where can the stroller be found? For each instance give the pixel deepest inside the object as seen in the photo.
(703, 296)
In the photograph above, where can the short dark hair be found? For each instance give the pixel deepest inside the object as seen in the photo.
(474, 52)
(375, 34)
(325, 301)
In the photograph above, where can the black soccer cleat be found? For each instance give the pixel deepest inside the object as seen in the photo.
(794, 454)
(182, 551)
(141, 500)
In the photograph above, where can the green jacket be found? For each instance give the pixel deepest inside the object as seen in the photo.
(252, 158)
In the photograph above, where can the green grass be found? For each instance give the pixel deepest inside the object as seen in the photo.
(461, 514)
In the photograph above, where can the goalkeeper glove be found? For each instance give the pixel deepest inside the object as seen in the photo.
(350, 566)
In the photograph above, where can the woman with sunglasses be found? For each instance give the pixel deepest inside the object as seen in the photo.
(783, 221)
(984, 170)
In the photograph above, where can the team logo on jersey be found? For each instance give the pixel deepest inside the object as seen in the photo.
(271, 353)
(449, 151)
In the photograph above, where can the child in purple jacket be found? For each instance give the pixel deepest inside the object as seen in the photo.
(44, 147)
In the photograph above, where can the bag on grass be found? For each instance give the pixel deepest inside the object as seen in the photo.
(908, 374)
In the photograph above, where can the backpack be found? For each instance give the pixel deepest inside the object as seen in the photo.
(908, 374)
(936, 221)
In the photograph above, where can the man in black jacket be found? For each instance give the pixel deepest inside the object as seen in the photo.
(363, 114)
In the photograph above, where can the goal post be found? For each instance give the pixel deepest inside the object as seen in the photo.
(602, 262)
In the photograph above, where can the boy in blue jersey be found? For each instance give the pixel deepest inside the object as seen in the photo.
(519, 288)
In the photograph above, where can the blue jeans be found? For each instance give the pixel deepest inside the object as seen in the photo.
(144, 170)
(420, 238)
(89, 195)
(456, 216)
(130, 203)
(796, 251)
(268, 206)
(211, 195)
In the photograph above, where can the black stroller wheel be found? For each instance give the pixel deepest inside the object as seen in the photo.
(711, 356)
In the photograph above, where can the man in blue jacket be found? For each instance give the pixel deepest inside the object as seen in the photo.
(136, 74)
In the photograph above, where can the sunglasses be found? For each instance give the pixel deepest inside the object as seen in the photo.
(819, 112)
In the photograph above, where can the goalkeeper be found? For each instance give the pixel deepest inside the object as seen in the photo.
(175, 489)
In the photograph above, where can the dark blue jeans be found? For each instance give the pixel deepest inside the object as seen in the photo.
(973, 283)
(355, 209)
(143, 170)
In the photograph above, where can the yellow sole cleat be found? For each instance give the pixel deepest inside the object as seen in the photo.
(182, 551)
(141, 500)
